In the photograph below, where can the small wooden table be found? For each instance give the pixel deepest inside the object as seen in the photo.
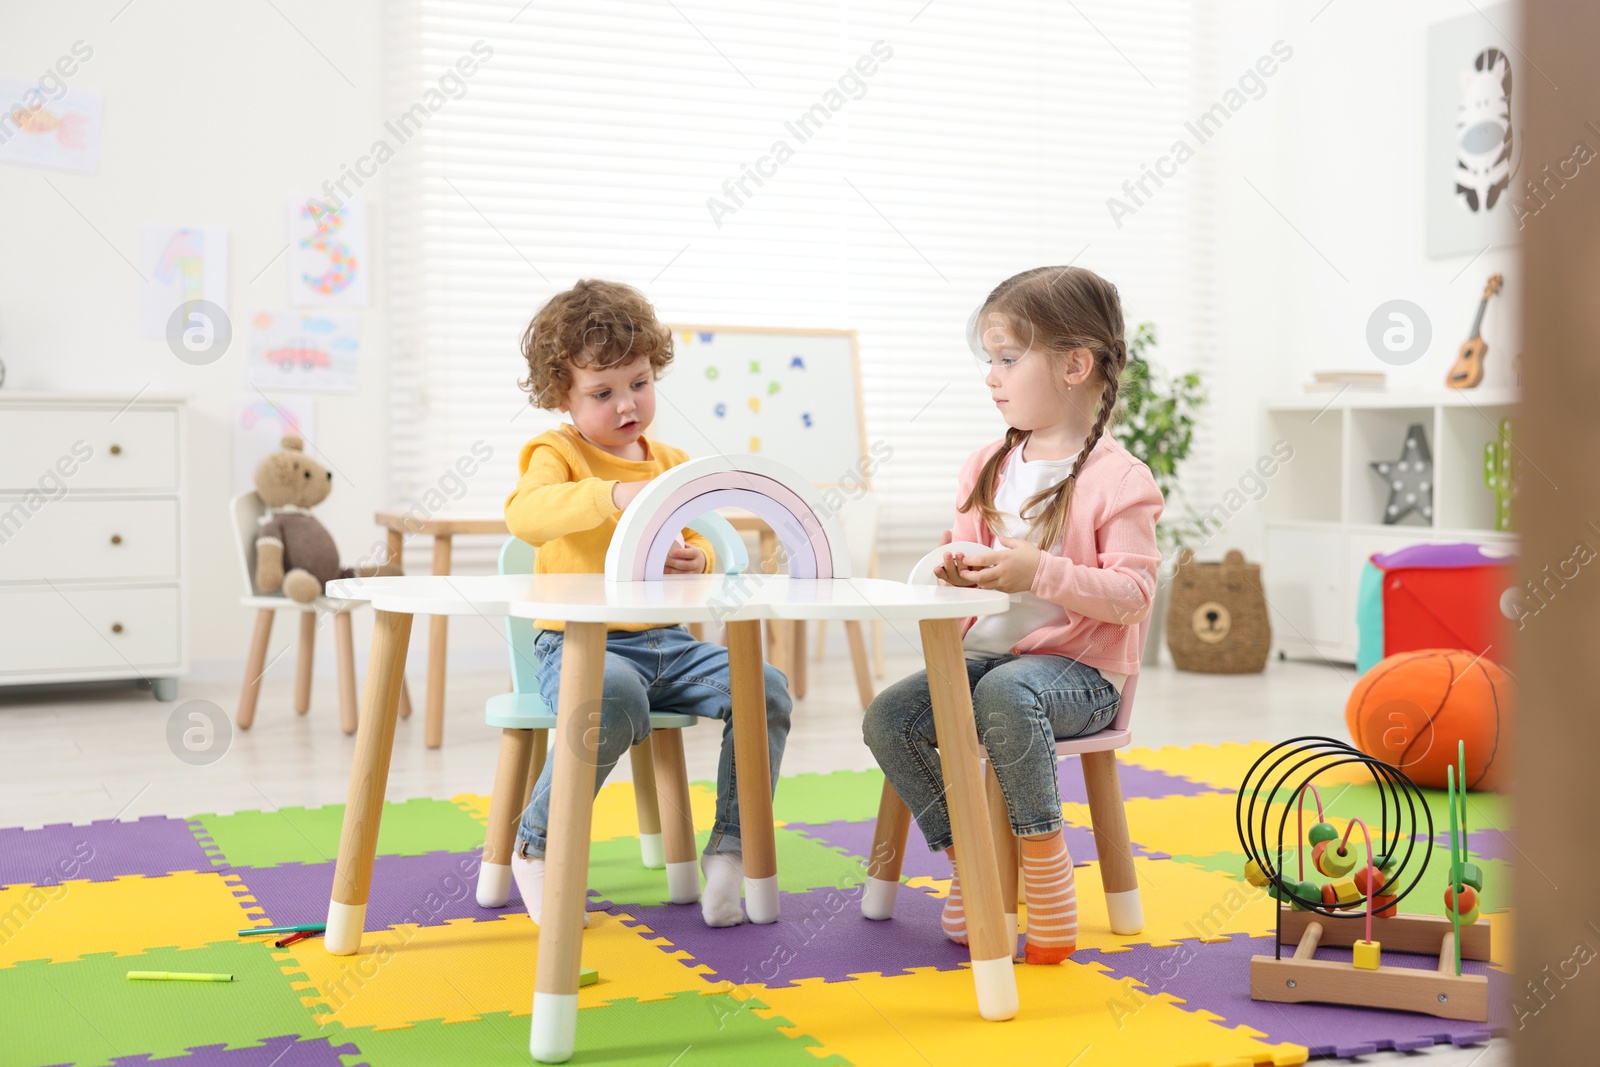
(441, 529)
(586, 603)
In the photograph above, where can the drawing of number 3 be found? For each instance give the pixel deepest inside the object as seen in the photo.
(341, 264)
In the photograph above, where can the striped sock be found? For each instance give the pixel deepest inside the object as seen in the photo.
(1052, 899)
(954, 917)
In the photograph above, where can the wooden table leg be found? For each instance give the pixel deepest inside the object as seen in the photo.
(797, 657)
(369, 774)
(345, 643)
(969, 818)
(858, 661)
(754, 771)
(554, 1031)
(393, 554)
(438, 627)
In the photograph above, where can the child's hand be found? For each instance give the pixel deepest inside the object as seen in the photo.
(1010, 570)
(685, 559)
(949, 571)
(622, 493)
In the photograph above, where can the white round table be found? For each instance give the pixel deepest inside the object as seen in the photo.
(586, 603)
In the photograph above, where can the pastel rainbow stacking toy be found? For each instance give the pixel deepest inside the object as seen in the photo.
(812, 537)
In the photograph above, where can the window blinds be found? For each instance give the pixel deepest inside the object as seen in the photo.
(797, 164)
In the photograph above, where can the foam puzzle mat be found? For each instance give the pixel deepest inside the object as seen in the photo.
(441, 980)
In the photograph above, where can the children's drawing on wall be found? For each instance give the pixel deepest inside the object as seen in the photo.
(1473, 90)
(180, 263)
(303, 350)
(258, 428)
(328, 261)
(56, 132)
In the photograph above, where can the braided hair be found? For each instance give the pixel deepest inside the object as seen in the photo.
(1059, 309)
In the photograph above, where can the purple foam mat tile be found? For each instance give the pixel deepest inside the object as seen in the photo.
(1215, 977)
(1136, 782)
(819, 934)
(101, 851)
(289, 1050)
(856, 839)
(427, 890)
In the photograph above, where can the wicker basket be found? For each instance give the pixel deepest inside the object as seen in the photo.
(1217, 617)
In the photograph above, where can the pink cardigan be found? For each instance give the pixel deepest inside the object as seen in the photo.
(1103, 572)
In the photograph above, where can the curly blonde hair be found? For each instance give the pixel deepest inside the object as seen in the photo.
(595, 325)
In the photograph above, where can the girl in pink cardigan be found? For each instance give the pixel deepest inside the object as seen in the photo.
(1072, 518)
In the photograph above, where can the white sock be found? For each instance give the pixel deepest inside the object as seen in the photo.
(719, 900)
(529, 876)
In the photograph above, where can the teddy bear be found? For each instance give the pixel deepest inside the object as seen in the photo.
(294, 551)
(1217, 617)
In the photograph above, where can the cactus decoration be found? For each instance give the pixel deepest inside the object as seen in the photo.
(1501, 474)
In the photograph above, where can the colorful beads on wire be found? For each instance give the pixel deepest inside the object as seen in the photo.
(1332, 859)
(1464, 905)
(1321, 832)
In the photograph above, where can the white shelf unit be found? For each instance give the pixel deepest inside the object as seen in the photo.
(92, 559)
(1326, 517)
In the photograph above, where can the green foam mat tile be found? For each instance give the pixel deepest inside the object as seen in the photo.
(803, 863)
(818, 798)
(1485, 811)
(311, 835)
(86, 1012)
(685, 1030)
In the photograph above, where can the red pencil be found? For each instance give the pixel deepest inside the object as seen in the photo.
(292, 938)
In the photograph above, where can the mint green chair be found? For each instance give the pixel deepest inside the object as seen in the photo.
(525, 721)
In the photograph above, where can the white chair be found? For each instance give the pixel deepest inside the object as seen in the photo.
(525, 721)
(859, 517)
(246, 510)
(1096, 752)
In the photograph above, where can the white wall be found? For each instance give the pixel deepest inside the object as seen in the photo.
(214, 115)
(1336, 146)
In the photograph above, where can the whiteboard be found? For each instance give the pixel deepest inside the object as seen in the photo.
(789, 395)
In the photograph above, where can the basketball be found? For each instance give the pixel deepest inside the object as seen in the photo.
(1412, 708)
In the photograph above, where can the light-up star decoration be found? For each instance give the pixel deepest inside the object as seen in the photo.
(1410, 478)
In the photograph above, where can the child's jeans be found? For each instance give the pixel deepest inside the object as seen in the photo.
(665, 670)
(1022, 706)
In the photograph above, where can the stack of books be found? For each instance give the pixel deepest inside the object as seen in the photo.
(1341, 379)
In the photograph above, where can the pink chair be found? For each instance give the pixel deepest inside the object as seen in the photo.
(1097, 752)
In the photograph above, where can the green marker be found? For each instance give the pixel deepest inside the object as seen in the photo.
(303, 928)
(177, 976)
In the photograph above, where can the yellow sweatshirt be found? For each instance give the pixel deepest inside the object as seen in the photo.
(562, 504)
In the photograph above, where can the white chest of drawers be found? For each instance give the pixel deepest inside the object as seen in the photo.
(92, 572)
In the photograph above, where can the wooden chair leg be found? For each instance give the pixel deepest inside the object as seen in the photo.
(822, 639)
(677, 820)
(697, 630)
(858, 659)
(541, 749)
(405, 700)
(254, 664)
(646, 804)
(797, 657)
(394, 549)
(303, 665)
(888, 853)
(345, 646)
(1005, 848)
(1111, 841)
(510, 776)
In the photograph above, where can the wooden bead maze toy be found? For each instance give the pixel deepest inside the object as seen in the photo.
(1357, 907)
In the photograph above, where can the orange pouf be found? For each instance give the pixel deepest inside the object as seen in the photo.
(1412, 708)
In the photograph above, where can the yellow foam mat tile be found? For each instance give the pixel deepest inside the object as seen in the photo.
(1180, 826)
(463, 970)
(126, 916)
(615, 814)
(1223, 766)
(1071, 1014)
(1180, 901)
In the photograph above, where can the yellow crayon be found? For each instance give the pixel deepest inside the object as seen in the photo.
(178, 976)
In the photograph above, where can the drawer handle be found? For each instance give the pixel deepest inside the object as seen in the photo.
(116, 627)
(116, 539)
(116, 450)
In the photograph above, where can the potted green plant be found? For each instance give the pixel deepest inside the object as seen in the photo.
(1156, 421)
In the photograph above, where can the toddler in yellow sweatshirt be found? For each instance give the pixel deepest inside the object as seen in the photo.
(594, 353)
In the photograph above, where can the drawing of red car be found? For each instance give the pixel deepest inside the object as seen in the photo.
(288, 356)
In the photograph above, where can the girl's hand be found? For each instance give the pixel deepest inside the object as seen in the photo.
(949, 571)
(685, 559)
(1009, 571)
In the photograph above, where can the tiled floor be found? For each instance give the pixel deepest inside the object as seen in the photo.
(77, 755)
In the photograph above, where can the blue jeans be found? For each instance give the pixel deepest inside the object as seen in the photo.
(1022, 705)
(665, 670)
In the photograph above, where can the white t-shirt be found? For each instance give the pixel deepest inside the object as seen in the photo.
(996, 635)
